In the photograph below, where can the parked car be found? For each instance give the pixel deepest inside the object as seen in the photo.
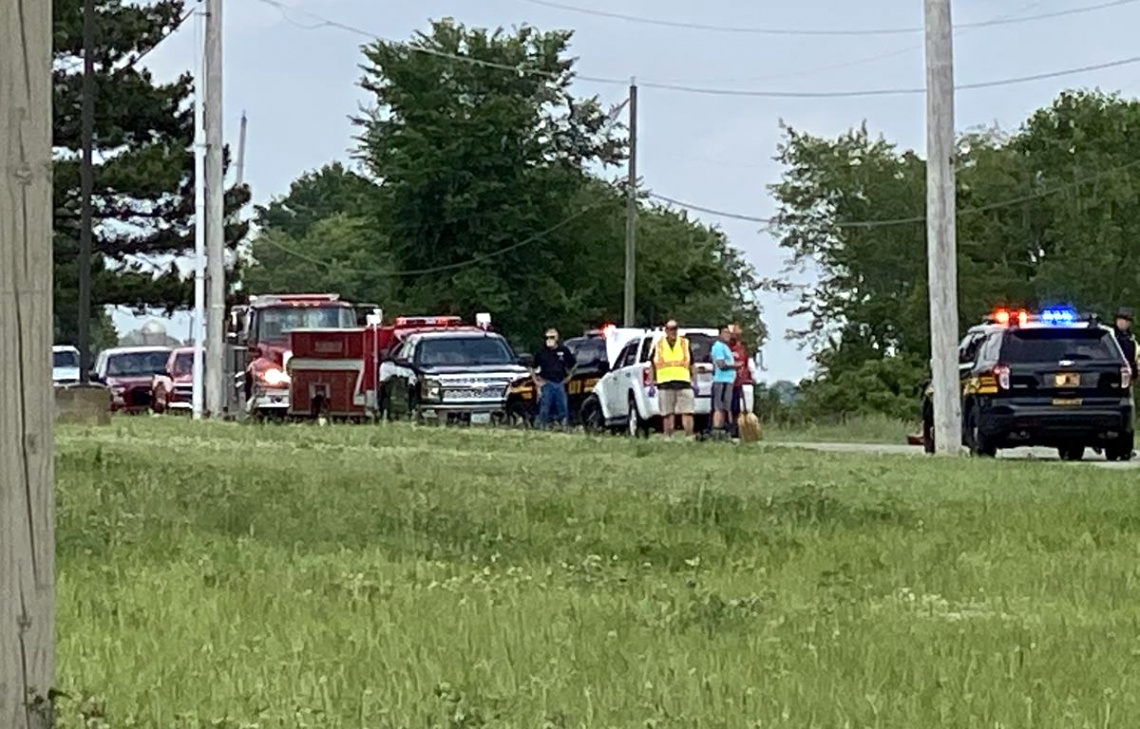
(173, 390)
(129, 372)
(622, 398)
(64, 365)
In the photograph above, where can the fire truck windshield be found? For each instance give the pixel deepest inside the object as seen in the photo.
(473, 351)
(274, 324)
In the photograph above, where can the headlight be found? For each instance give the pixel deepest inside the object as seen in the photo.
(274, 377)
(432, 389)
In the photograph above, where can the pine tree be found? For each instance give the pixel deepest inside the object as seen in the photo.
(144, 165)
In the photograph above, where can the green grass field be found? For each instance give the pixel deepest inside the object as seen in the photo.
(225, 576)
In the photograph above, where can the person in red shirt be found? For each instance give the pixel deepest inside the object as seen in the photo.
(744, 392)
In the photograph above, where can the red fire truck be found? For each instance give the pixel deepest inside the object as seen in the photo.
(421, 367)
(260, 333)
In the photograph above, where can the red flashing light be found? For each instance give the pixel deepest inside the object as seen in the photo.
(1004, 317)
(428, 321)
(1023, 317)
(608, 330)
(1001, 316)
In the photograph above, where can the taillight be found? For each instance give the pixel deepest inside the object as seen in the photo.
(646, 377)
(1125, 377)
(1001, 373)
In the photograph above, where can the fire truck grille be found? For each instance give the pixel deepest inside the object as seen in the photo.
(184, 392)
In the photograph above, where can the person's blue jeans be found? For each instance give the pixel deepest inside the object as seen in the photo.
(553, 405)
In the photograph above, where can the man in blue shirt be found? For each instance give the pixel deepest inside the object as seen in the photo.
(724, 379)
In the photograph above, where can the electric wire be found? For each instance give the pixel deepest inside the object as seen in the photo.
(537, 237)
(777, 221)
(746, 30)
(708, 91)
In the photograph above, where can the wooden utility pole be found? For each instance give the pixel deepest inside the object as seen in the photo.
(941, 231)
(630, 307)
(215, 217)
(198, 327)
(86, 185)
(27, 543)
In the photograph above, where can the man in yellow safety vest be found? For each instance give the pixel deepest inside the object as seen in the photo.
(672, 370)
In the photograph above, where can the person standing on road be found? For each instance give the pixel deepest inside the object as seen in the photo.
(1125, 338)
(725, 368)
(744, 392)
(553, 367)
(671, 370)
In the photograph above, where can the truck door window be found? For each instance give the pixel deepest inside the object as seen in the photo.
(627, 356)
(646, 349)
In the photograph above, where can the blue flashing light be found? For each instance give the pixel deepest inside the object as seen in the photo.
(1058, 316)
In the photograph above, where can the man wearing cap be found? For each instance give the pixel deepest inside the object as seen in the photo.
(553, 367)
(672, 373)
(1125, 338)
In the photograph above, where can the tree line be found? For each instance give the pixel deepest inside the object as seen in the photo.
(1047, 215)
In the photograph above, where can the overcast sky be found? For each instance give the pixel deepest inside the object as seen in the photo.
(298, 86)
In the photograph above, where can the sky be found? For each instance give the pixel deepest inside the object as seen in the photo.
(297, 82)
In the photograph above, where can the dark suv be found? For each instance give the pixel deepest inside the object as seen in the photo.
(1051, 380)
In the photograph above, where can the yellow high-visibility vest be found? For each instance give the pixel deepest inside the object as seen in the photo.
(672, 362)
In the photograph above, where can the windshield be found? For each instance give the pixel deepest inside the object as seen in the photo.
(1055, 345)
(276, 323)
(701, 347)
(589, 352)
(474, 351)
(65, 358)
(131, 364)
(183, 364)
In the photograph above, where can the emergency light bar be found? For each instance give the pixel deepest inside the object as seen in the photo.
(1052, 316)
(428, 321)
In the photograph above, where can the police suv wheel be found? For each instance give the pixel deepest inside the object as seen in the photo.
(593, 421)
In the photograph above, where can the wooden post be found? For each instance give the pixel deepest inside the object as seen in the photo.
(27, 543)
(941, 231)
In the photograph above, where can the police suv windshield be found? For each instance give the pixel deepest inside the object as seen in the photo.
(473, 351)
(65, 358)
(275, 323)
(1056, 345)
(135, 364)
(589, 352)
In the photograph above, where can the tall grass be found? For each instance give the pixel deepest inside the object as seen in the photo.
(224, 576)
(848, 429)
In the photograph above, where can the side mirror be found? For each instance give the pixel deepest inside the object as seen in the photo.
(526, 360)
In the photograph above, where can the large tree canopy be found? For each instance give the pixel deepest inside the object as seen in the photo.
(144, 164)
(1046, 215)
(479, 190)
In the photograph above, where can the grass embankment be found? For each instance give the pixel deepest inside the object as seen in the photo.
(856, 429)
(228, 576)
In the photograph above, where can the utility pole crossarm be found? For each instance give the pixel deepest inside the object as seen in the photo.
(27, 537)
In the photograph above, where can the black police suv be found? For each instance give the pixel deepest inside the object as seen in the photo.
(1051, 380)
(592, 361)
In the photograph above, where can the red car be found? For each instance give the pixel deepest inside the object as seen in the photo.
(129, 373)
(173, 390)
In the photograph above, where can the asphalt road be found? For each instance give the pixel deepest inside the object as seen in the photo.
(1023, 454)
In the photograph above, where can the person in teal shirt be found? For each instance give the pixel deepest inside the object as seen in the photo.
(724, 379)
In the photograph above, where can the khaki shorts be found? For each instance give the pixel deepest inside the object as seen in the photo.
(676, 402)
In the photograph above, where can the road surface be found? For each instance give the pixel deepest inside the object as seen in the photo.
(1024, 454)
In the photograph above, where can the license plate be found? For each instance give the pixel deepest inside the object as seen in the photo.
(1066, 379)
(1067, 402)
(480, 418)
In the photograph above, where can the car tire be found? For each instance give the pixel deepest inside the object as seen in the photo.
(976, 440)
(593, 419)
(638, 428)
(1071, 453)
(1121, 449)
(518, 415)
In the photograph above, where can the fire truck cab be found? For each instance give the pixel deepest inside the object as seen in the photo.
(260, 332)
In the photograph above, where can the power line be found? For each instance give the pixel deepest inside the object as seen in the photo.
(864, 224)
(68, 68)
(738, 29)
(448, 266)
(890, 91)
(775, 94)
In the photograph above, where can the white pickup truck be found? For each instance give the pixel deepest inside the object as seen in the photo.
(622, 399)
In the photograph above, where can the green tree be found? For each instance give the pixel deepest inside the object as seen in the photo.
(143, 193)
(480, 193)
